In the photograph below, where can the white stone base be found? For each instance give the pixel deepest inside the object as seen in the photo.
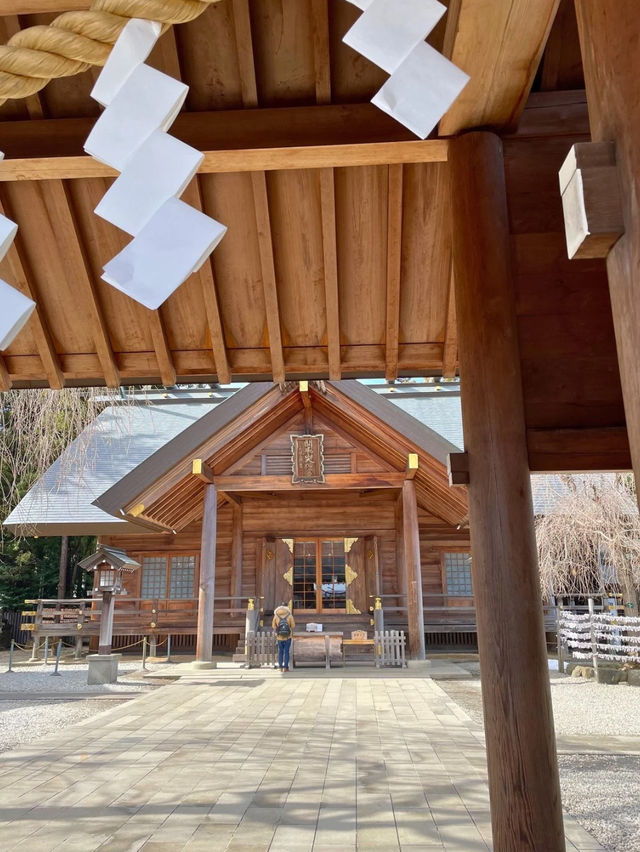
(203, 664)
(103, 668)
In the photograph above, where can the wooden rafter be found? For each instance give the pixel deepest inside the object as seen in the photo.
(60, 210)
(193, 196)
(44, 342)
(263, 223)
(244, 52)
(394, 263)
(499, 43)
(321, 53)
(330, 257)
(450, 352)
(166, 366)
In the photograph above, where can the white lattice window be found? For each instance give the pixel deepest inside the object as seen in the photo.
(458, 574)
(182, 576)
(154, 577)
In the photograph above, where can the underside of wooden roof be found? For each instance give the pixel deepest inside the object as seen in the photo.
(337, 259)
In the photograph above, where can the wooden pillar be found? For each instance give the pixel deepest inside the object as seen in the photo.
(523, 775)
(236, 556)
(204, 645)
(413, 570)
(609, 34)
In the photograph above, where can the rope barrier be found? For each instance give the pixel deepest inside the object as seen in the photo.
(75, 41)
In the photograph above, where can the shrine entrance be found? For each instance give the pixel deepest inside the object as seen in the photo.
(319, 575)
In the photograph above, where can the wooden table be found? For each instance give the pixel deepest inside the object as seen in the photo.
(357, 643)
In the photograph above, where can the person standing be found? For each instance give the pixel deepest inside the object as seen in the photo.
(283, 624)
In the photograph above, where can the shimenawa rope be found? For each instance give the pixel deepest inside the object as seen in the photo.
(74, 41)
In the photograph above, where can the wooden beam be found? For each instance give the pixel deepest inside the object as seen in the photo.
(333, 481)
(578, 450)
(59, 206)
(394, 267)
(523, 774)
(591, 200)
(413, 570)
(458, 468)
(244, 52)
(413, 464)
(263, 224)
(20, 279)
(201, 469)
(206, 584)
(607, 33)
(193, 196)
(499, 43)
(321, 50)
(166, 366)
(450, 352)
(330, 258)
(248, 160)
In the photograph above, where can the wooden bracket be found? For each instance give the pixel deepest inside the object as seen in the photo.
(591, 200)
(458, 468)
(201, 469)
(412, 465)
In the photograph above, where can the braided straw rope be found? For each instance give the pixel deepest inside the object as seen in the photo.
(75, 41)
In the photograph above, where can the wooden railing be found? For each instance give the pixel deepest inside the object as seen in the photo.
(132, 616)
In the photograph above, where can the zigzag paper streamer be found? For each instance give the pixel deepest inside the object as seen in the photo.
(170, 239)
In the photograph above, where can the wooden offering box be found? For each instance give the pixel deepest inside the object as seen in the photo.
(317, 649)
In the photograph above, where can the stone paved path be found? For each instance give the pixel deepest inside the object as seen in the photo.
(252, 765)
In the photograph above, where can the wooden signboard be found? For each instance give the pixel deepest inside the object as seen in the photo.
(307, 458)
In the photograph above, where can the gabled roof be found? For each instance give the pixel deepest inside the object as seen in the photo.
(163, 493)
(126, 445)
(115, 557)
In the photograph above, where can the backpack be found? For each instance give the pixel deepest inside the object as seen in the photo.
(283, 630)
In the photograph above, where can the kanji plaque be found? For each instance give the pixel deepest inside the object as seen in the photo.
(307, 458)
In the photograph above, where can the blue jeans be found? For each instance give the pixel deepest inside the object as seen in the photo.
(284, 646)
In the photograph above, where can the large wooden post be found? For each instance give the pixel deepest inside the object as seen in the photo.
(413, 570)
(523, 775)
(609, 34)
(204, 646)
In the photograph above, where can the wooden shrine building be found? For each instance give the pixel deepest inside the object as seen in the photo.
(325, 496)
(354, 250)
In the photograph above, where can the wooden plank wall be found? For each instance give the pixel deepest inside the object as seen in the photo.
(292, 516)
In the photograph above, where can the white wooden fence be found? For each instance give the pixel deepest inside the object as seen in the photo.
(390, 648)
(390, 645)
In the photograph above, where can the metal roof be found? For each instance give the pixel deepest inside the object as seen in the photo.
(117, 441)
(124, 436)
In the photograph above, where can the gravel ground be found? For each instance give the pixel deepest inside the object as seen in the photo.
(24, 717)
(601, 790)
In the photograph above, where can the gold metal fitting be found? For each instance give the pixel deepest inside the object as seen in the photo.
(78, 626)
(251, 604)
(153, 624)
(378, 603)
